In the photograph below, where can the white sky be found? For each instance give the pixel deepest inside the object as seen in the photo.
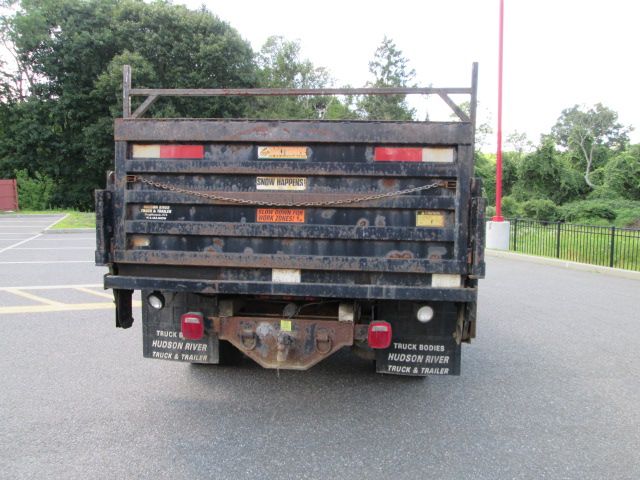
(557, 52)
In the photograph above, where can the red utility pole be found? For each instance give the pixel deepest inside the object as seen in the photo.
(498, 216)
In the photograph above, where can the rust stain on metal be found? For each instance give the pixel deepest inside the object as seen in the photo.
(294, 344)
(402, 255)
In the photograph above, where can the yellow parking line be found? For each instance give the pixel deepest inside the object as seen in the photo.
(33, 297)
(62, 307)
(93, 292)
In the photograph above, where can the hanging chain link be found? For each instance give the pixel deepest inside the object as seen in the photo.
(261, 203)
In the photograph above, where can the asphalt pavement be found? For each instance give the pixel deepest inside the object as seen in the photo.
(549, 389)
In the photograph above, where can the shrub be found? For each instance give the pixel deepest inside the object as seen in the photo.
(541, 209)
(587, 210)
(622, 174)
(511, 207)
(34, 193)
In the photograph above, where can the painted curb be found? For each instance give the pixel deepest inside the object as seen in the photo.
(584, 267)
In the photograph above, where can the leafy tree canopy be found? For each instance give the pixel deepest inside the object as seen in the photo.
(389, 69)
(590, 131)
(66, 87)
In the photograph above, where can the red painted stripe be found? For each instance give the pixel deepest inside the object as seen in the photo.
(392, 154)
(181, 151)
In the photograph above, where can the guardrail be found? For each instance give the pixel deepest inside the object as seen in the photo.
(607, 246)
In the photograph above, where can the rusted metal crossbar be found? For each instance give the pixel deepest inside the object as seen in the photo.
(153, 94)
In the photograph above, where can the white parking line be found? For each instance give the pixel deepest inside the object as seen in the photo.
(54, 248)
(52, 287)
(30, 238)
(67, 237)
(45, 262)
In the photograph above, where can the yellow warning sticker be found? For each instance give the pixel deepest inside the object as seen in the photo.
(426, 218)
(285, 325)
(281, 183)
(283, 152)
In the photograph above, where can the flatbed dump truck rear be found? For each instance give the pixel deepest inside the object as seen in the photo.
(287, 241)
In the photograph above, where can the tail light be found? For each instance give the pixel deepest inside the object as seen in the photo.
(414, 154)
(192, 325)
(379, 334)
(167, 151)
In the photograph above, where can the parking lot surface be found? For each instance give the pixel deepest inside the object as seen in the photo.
(549, 389)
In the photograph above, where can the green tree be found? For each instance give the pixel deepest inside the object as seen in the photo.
(622, 174)
(590, 133)
(280, 65)
(71, 53)
(389, 69)
(547, 173)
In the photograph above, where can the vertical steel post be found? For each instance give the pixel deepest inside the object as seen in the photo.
(613, 246)
(558, 240)
(515, 234)
(126, 87)
(498, 217)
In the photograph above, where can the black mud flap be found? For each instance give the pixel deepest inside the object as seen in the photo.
(161, 334)
(419, 349)
(124, 311)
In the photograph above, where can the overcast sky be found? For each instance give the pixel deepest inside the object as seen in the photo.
(557, 52)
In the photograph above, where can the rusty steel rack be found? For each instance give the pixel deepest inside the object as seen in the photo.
(152, 94)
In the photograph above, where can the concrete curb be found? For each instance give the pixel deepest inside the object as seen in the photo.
(69, 230)
(584, 267)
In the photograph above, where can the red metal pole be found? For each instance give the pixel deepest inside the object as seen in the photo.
(498, 216)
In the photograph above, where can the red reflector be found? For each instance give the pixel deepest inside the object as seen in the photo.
(181, 151)
(192, 325)
(379, 334)
(388, 154)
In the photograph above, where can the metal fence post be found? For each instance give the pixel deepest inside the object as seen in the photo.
(558, 229)
(515, 234)
(613, 246)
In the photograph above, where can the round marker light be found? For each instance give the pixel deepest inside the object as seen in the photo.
(156, 300)
(425, 314)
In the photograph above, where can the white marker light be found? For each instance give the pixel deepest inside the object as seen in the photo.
(156, 300)
(425, 314)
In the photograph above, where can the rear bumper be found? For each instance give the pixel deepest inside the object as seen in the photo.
(364, 292)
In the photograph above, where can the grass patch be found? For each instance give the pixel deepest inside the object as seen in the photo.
(578, 243)
(73, 219)
(77, 220)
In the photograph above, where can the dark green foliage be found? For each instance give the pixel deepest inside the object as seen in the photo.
(622, 174)
(34, 192)
(485, 168)
(587, 210)
(389, 69)
(511, 208)
(590, 134)
(74, 51)
(281, 66)
(546, 173)
(540, 209)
